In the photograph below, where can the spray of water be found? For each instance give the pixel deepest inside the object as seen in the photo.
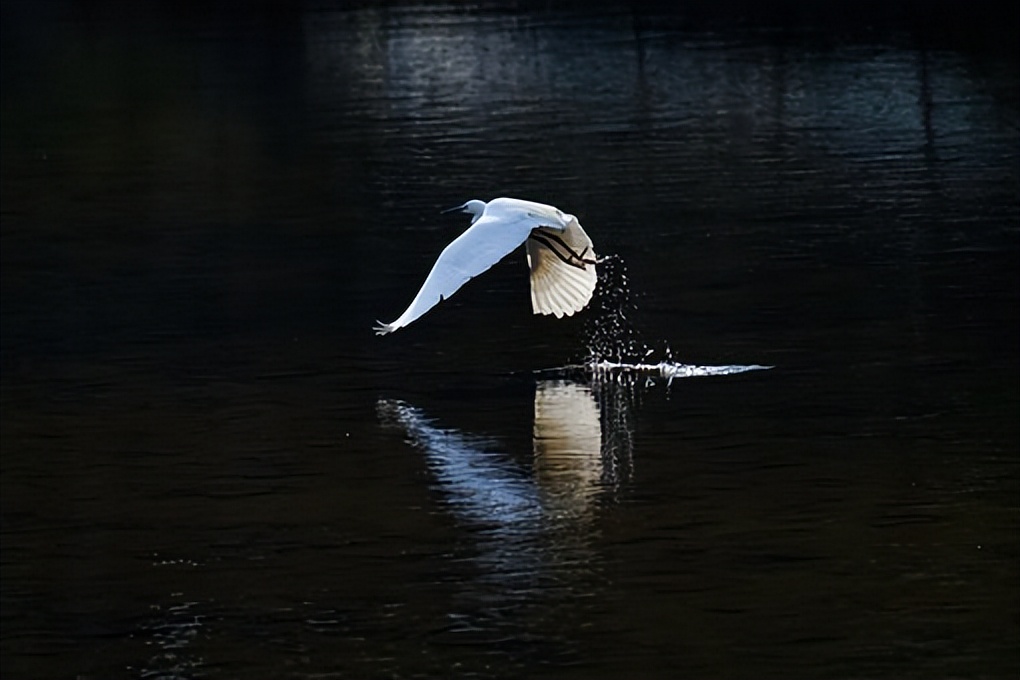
(610, 333)
(616, 348)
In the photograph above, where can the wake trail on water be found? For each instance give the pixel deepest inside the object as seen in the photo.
(617, 350)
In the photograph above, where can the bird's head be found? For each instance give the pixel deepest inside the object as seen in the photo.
(474, 207)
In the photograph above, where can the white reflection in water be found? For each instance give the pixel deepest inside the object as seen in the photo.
(567, 445)
(529, 525)
(571, 464)
(478, 483)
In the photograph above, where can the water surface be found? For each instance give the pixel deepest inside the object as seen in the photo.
(211, 467)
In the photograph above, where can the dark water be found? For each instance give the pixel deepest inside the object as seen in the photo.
(211, 468)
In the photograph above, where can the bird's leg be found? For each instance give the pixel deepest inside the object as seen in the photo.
(572, 257)
(567, 259)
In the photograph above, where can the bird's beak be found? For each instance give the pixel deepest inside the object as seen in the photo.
(453, 209)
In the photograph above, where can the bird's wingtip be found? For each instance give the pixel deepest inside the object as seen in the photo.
(381, 328)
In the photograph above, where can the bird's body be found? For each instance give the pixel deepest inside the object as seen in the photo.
(560, 257)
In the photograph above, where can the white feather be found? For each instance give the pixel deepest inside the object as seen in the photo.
(561, 285)
(557, 287)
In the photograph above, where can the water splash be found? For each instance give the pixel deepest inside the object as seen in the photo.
(669, 369)
(610, 333)
(617, 350)
(646, 373)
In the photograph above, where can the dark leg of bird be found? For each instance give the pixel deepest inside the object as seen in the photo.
(565, 258)
(579, 258)
(572, 258)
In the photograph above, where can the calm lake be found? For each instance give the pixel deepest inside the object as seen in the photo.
(212, 468)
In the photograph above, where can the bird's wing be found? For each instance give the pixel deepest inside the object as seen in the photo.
(562, 265)
(487, 242)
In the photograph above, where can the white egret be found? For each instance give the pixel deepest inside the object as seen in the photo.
(560, 257)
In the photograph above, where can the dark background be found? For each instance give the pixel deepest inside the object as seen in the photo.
(212, 468)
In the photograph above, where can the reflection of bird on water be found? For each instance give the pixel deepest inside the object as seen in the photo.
(530, 528)
(567, 442)
(481, 484)
(575, 458)
(560, 257)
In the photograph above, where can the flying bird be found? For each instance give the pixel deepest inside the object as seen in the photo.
(560, 257)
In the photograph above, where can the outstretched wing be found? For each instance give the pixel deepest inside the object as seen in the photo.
(484, 244)
(562, 265)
